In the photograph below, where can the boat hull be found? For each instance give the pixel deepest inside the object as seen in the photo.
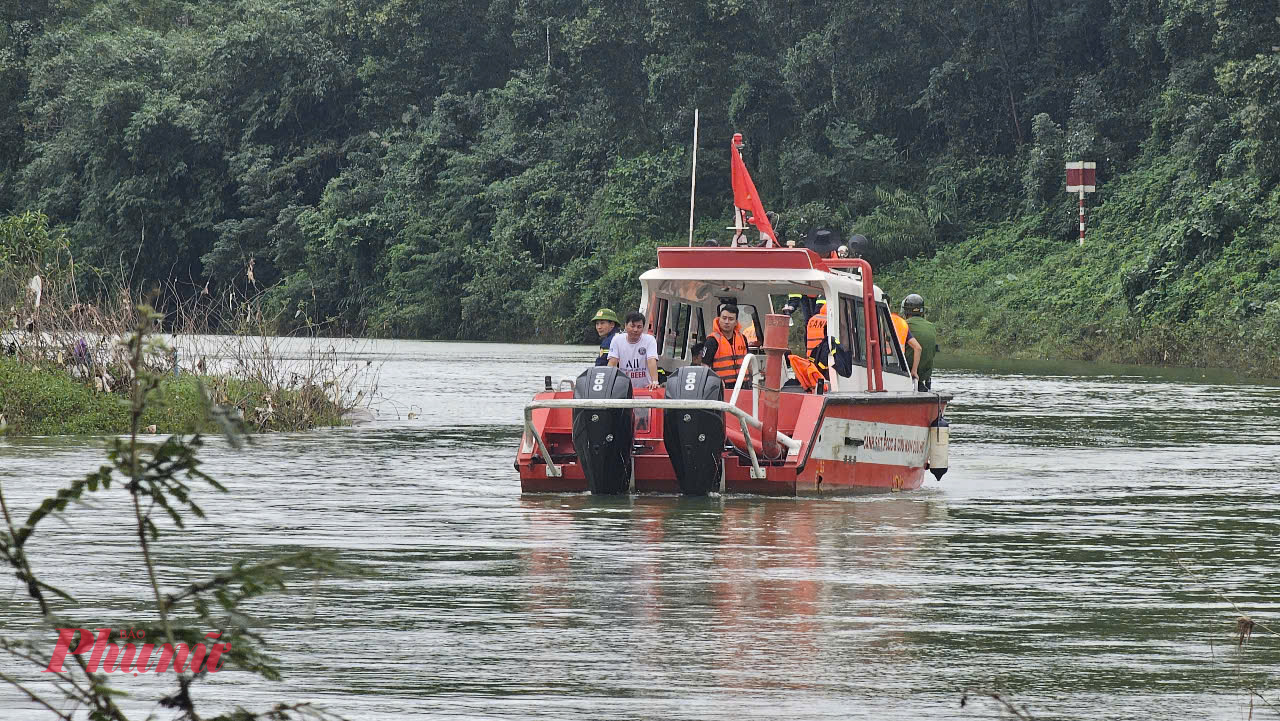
(849, 444)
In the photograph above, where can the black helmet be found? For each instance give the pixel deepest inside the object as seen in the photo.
(858, 246)
(913, 305)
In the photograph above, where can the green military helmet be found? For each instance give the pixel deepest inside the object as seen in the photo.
(606, 314)
(913, 305)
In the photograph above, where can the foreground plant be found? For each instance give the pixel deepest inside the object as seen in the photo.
(1242, 629)
(194, 630)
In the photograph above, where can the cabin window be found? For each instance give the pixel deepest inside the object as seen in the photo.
(660, 322)
(747, 324)
(803, 306)
(889, 343)
(853, 329)
(680, 330)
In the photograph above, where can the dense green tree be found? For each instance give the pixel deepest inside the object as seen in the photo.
(496, 169)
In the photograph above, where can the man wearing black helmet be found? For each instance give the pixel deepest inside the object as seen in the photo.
(857, 246)
(925, 333)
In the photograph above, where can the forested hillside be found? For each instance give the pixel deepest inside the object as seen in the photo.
(471, 169)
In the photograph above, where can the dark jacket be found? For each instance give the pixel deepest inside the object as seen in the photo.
(605, 342)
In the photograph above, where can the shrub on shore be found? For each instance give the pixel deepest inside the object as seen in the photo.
(40, 401)
(64, 365)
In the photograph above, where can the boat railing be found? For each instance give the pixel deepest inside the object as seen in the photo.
(752, 362)
(745, 420)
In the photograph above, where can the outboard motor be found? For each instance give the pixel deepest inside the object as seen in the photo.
(602, 436)
(695, 438)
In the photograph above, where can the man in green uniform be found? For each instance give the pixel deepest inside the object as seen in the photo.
(925, 333)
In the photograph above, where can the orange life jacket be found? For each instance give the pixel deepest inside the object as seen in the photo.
(806, 371)
(816, 329)
(901, 328)
(729, 356)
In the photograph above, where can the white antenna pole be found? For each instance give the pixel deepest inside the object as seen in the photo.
(693, 181)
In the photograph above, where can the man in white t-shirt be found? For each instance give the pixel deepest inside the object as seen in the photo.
(636, 353)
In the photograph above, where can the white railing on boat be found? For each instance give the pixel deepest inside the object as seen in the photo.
(744, 419)
(752, 362)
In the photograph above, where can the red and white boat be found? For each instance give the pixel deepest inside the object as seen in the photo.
(867, 431)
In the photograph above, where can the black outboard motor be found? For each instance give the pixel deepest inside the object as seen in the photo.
(695, 439)
(602, 436)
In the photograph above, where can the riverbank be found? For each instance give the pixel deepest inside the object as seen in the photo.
(1142, 290)
(48, 401)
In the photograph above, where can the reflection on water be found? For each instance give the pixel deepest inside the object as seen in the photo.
(1043, 566)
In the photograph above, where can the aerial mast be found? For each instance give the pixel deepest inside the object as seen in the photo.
(693, 180)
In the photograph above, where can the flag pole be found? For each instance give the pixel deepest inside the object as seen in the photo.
(693, 180)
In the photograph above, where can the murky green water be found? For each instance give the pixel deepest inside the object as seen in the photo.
(1044, 566)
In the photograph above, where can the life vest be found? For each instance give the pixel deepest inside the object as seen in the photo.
(900, 327)
(816, 329)
(729, 356)
(806, 371)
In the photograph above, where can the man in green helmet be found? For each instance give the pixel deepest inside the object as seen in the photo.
(607, 327)
(925, 333)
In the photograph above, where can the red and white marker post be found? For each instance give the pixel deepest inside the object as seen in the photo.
(1082, 178)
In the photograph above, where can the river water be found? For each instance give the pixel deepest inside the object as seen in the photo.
(1077, 560)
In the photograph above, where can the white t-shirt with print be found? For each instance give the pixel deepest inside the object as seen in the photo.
(633, 358)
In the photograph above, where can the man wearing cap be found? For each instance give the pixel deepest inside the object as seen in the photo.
(607, 327)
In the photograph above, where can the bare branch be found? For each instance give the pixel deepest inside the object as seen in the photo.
(33, 696)
(1022, 713)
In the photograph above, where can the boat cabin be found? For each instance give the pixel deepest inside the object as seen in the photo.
(683, 295)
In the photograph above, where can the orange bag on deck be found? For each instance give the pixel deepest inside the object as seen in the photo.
(806, 371)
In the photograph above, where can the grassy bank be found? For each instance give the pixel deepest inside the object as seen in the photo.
(70, 356)
(48, 401)
(1199, 288)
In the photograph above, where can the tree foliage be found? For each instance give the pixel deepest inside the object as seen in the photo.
(495, 169)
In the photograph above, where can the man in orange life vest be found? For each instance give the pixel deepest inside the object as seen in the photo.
(815, 343)
(726, 347)
(810, 370)
(816, 328)
(824, 350)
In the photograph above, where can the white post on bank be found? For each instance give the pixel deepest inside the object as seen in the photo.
(1082, 178)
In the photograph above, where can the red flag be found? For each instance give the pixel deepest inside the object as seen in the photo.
(745, 195)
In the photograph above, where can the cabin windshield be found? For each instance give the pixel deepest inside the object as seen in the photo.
(682, 306)
(683, 312)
